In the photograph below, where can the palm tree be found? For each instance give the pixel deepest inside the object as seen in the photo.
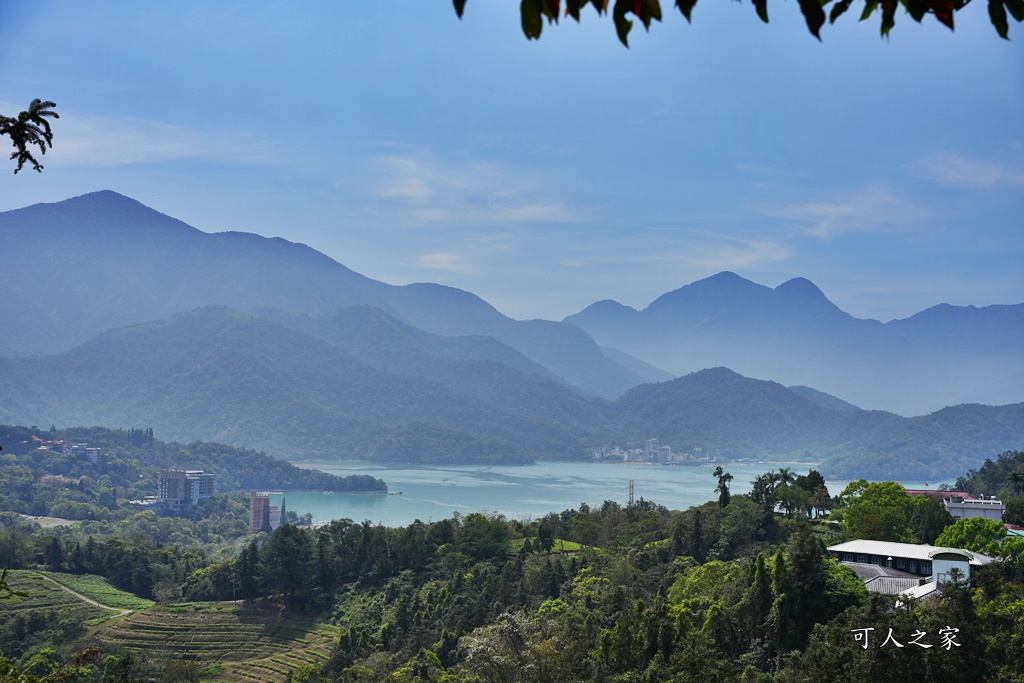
(30, 127)
(786, 476)
(723, 486)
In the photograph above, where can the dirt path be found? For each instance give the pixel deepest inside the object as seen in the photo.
(120, 613)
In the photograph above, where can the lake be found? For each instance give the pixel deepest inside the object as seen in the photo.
(432, 493)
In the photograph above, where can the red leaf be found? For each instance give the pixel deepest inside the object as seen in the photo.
(943, 11)
(640, 10)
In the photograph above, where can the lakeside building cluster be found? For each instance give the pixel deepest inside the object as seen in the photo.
(178, 490)
(263, 515)
(82, 450)
(653, 452)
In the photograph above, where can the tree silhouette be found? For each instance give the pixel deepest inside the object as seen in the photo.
(534, 12)
(723, 486)
(1015, 481)
(30, 127)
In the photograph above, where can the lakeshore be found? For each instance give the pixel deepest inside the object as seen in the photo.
(432, 493)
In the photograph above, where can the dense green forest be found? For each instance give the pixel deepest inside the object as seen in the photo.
(740, 588)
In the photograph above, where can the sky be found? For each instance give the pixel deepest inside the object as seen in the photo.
(546, 175)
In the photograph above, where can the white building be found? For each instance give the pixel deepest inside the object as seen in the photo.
(929, 562)
(961, 506)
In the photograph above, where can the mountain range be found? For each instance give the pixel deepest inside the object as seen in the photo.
(82, 266)
(793, 334)
(118, 315)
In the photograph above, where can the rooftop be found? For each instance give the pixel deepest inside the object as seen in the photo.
(908, 550)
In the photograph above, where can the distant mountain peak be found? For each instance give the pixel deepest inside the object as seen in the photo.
(95, 213)
(803, 291)
(724, 281)
(607, 306)
(104, 195)
(725, 276)
(108, 200)
(720, 287)
(718, 374)
(799, 284)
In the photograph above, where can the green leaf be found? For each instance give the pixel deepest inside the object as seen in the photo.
(653, 10)
(917, 9)
(573, 7)
(997, 13)
(888, 16)
(550, 8)
(869, 8)
(622, 25)
(838, 10)
(460, 5)
(532, 22)
(686, 7)
(1016, 8)
(762, 9)
(814, 15)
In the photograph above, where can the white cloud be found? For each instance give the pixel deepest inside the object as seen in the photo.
(959, 171)
(737, 254)
(404, 178)
(870, 210)
(446, 261)
(468, 254)
(87, 139)
(427, 190)
(704, 252)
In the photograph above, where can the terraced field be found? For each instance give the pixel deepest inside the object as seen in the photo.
(40, 594)
(231, 643)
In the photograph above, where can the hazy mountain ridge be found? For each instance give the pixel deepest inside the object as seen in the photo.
(92, 263)
(822, 399)
(477, 366)
(217, 374)
(794, 334)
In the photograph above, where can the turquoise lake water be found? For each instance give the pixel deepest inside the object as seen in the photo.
(432, 493)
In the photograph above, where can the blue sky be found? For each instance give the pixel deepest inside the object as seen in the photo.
(546, 175)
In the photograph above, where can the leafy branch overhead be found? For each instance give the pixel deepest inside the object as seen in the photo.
(534, 12)
(30, 127)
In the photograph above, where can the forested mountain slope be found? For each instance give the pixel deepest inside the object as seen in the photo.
(219, 375)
